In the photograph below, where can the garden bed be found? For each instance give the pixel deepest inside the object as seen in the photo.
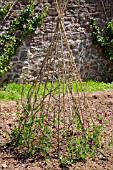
(101, 103)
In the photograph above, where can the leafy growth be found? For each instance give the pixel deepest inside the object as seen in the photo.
(25, 24)
(4, 9)
(105, 41)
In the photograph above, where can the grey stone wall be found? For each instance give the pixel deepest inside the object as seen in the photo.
(89, 58)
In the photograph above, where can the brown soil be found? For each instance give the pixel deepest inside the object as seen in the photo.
(101, 102)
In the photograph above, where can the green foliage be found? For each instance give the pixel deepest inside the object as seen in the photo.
(33, 133)
(105, 41)
(4, 9)
(9, 43)
(109, 28)
(86, 140)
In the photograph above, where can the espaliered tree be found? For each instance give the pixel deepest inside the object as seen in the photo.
(23, 24)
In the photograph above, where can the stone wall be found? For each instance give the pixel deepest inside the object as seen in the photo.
(89, 58)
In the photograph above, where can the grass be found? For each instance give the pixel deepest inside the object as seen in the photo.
(12, 91)
(93, 86)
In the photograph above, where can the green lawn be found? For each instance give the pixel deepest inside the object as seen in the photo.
(12, 91)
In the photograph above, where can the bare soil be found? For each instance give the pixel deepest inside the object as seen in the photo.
(101, 102)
